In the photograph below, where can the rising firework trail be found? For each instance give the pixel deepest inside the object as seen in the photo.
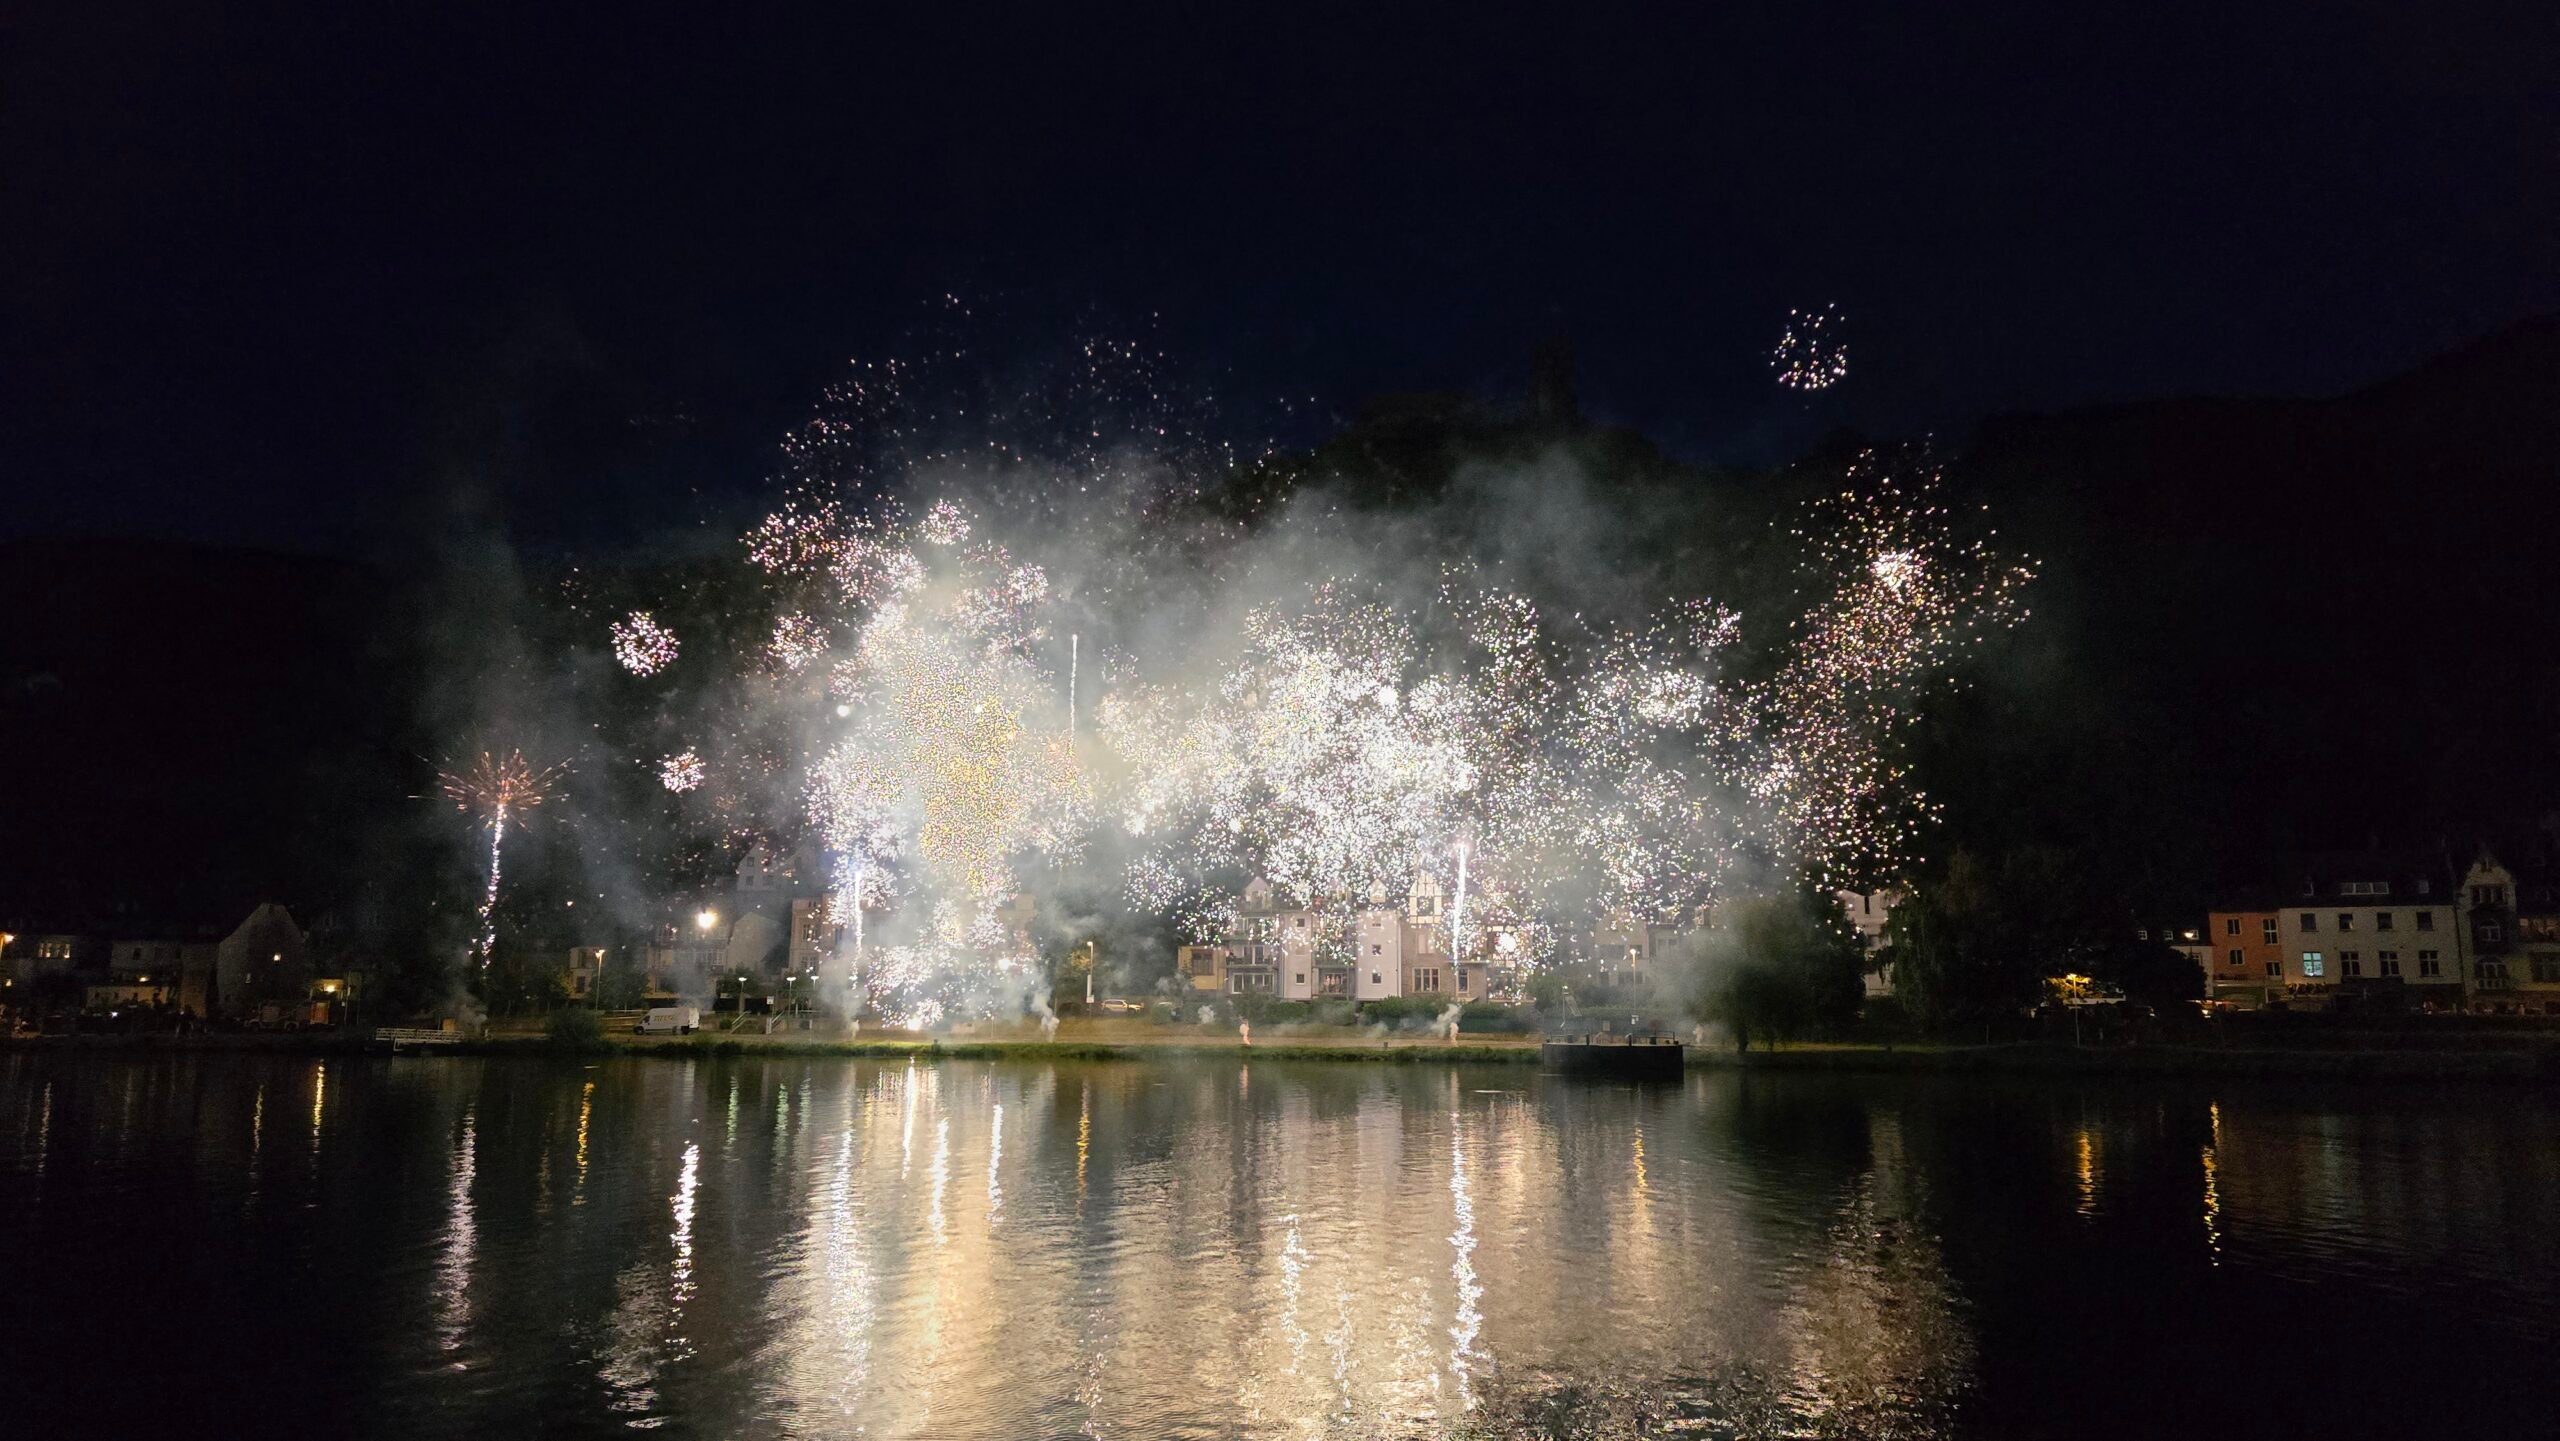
(499, 790)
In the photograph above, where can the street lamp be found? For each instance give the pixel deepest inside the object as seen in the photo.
(705, 919)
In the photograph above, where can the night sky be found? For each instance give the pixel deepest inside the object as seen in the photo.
(279, 274)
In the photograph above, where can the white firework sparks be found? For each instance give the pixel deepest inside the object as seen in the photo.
(643, 646)
(799, 641)
(1340, 738)
(681, 772)
(1810, 354)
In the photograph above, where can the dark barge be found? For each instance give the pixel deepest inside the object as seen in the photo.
(1653, 1054)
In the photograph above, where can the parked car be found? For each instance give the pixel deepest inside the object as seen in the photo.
(1120, 1006)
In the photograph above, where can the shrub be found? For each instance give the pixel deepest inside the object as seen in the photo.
(1397, 1009)
(1494, 1018)
(574, 1028)
(1886, 1018)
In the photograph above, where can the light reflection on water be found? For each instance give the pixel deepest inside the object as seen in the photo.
(1281, 1251)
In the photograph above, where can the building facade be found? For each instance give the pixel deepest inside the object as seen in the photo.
(1389, 947)
(2246, 968)
(1869, 913)
(2362, 924)
(2510, 928)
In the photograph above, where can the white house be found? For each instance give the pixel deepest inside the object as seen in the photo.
(1869, 912)
(2363, 918)
(261, 960)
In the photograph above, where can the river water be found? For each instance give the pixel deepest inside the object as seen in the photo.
(745, 1248)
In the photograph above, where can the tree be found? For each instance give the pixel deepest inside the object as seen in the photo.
(1778, 967)
(1974, 944)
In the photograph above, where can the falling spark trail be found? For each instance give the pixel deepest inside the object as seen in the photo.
(489, 897)
(1458, 912)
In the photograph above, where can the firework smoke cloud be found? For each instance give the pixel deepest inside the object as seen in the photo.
(1314, 693)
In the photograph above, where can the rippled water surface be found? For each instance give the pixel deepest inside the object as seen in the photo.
(743, 1248)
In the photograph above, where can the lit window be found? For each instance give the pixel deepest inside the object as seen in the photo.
(2313, 967)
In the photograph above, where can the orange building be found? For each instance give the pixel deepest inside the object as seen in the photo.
(2248, 957)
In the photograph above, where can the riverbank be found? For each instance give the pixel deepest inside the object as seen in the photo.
(1138, 1042)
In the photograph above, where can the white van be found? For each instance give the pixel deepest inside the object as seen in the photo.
(679, 1019)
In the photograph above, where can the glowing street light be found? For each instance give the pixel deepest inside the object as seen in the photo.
(705, 919)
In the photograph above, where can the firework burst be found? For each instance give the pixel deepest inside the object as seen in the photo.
(681, 772)
(643, 646)
(1340, 735)
(1810, 354)
(499, 790)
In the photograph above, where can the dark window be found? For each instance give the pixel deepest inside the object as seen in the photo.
(2231, 927)
(2426, 920)
(2382, 920)
(2310, 922)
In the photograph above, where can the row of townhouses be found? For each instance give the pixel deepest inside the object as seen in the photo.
(258, 970)
(1396, 946)
(2412, 928)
